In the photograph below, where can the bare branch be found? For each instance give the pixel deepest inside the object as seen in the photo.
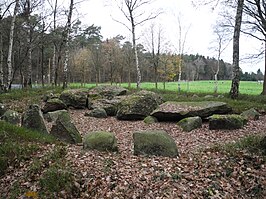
(149, 18)
(121, 23)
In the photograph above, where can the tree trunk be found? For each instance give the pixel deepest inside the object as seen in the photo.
(236, 70)
(10, 47)
(264, 80)
(42, 62)
(215, 83)
(156, 77)
(136, 57)
(28, 68)
(1, 56)
(216, 73)
(179, 74)
(49, 72)
(54, 50)
(68, 28)
(129, 79)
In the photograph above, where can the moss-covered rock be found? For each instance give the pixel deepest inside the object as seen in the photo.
(33, 119)
(176, 111)
(54, 104)
(75, 98)
(3, 109)
(52, 116)
(157, 143)
(251, 114)
(150, 120)
(233, 121)
(49, 95)
(138, 105)
(98, 113)
(11, 117)
(110, 106)
(107, 92)
(101, 141)
(64, 130)
(190, 123)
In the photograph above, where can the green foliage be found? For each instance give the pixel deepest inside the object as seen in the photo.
(9, 132)
(34, 93)
(252, 143)
(55, 179)
(12, 153)
(17, 144)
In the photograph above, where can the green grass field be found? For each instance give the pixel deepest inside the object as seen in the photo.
(246, 87)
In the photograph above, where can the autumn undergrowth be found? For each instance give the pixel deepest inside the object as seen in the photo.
(18, 99)
(18, 144)
(51, 171)
(254, 144)
(58, 176)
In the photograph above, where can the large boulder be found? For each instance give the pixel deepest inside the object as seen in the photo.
(98, 113)
(75, 98)
(54, 104)
(11, 117)
(176, 111)
(52, 116)
(190, 123)
(3, 109)
(157, 143)
(49, 95)
(108, 92)
(251, 114)
(138, 105)
(226, 122)
(110, 106)
(101, 141)
(33, 119)
(64, 130)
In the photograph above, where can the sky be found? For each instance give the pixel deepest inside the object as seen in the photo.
(197, 22)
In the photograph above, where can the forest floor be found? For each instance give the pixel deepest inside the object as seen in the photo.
(203, 169)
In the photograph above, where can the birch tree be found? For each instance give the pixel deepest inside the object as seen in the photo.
(135, 15)
(255, 26)
(181, 47)
(53, 74)
(234, 92)
(221, 42)
(28, 68)
(2, 14)
(66, 39)
(154, 43)
(10, 47)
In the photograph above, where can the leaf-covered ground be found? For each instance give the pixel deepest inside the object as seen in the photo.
(200, 171)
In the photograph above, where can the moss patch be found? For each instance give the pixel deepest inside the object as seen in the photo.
(101, 141)
(157, 143)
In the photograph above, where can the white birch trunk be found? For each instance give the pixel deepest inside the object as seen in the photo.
(1, 57)
(136, 57)
(65, 81)
(49, 72)
(54, 48)
(236, 70)
(10, 48)
(29, 65)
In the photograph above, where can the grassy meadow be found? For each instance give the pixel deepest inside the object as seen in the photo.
(246, 87)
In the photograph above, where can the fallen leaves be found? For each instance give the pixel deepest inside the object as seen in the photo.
(199, 171)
